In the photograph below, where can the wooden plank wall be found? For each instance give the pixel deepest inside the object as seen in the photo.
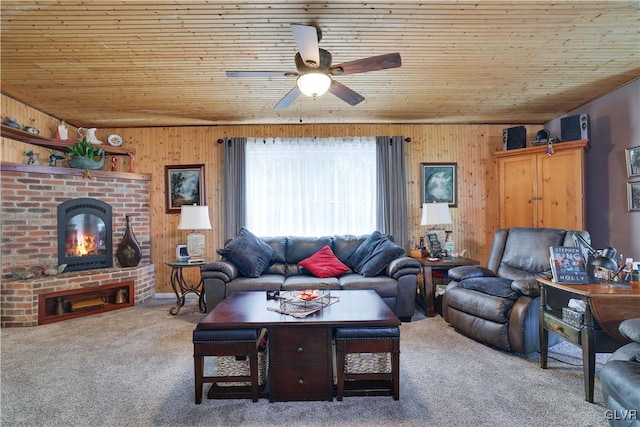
(471, 146)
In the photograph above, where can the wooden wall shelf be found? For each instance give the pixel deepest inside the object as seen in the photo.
(57, 144)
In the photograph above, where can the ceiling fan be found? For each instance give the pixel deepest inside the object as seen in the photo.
(314, 70)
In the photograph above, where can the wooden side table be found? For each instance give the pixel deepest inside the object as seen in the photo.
(607, 305)
(426, 288)
(181, 287)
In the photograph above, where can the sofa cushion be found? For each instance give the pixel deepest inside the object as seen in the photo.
(385, 252)
(266, 282)
(279, 244)
(385, 286)
(250, 254)
(324, 263)
(302, 282)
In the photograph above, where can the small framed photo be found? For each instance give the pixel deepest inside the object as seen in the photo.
(440, 183)
(633, 195)
(184, 186)
(632, 156)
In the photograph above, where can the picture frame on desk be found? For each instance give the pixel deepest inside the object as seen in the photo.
(181, 252)
(632, 156)
(440, 183)
(633, 195)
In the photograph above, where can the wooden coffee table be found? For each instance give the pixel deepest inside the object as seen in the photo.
(300, 351)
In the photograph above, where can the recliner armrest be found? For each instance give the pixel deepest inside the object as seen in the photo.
(528, 287)
(223, 270)
(630, 328)
(403, 266)
(469, 272)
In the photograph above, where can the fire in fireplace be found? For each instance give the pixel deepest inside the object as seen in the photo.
(84, 234)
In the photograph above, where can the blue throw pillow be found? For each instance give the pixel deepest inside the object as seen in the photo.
(385, 252)
(250, 254)
(363, 251)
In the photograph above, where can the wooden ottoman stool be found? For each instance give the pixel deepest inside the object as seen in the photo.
(385, 381)
(225, 342)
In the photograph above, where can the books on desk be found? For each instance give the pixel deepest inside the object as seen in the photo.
(196, 260)
(568, 264)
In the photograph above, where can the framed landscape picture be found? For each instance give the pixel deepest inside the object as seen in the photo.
(440, 183)
(184, 186)
(633, 194)
(632, 156)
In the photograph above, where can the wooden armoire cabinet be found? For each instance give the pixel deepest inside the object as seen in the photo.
(541, 190)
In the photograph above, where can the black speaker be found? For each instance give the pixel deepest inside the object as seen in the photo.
(514, 138)
(576, 127)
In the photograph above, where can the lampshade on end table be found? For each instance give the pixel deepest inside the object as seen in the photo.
(194, 217)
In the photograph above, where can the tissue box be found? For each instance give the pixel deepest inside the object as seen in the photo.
(572, 317)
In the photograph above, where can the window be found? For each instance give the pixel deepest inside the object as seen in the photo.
(311, 186)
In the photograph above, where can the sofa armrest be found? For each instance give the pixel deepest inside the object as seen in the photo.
(223, 270)
(403, 266)
(469, 272)
(528, 287)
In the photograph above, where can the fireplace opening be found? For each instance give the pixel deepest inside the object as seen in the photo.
(84, 234)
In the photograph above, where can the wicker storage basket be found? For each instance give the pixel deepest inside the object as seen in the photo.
(362, 363)
(228, 366)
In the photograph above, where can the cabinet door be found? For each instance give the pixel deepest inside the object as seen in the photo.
(518, 191)
(561, 190)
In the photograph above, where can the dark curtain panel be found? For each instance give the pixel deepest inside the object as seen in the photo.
(392, 189)
(234, 189)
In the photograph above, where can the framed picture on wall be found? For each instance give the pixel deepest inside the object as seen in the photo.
(632, 156)
(633, 195)
(440, 183)
(184, 186)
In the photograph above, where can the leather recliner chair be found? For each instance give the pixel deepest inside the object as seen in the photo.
(499, 305)
(620, 378)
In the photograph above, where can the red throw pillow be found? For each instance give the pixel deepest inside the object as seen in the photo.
(324, 263)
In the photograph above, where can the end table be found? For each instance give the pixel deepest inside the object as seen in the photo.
(181, 287)
(426, 291)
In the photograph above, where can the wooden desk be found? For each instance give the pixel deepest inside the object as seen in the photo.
(606, 307)
(300, 355)
(426, 292)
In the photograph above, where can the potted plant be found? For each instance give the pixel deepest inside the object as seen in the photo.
(83, 155)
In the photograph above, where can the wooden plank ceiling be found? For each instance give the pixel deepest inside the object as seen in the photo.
(162, 63)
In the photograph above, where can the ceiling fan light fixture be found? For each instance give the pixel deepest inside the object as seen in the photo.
(314, 83)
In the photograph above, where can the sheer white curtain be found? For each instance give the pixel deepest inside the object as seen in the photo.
(311, 186)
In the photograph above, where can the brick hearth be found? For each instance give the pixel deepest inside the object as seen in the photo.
(30, 196)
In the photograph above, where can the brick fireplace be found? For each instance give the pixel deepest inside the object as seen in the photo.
(30, 199)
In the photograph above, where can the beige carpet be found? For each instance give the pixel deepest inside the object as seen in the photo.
(134, 367)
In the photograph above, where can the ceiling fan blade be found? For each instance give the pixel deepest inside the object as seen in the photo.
(349, 96)
(307, 41)
(261, 73)
(288, 98)
(373, 63)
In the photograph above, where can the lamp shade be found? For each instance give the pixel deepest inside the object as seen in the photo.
(435, 213)
(314, 83)
(194, 217)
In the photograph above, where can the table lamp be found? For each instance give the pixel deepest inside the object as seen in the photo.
(435, 214)
(194, 218)
(598, 259)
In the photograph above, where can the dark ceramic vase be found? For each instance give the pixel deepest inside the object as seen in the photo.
(129, 252)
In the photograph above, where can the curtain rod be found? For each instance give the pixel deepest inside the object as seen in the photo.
(221, 141)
